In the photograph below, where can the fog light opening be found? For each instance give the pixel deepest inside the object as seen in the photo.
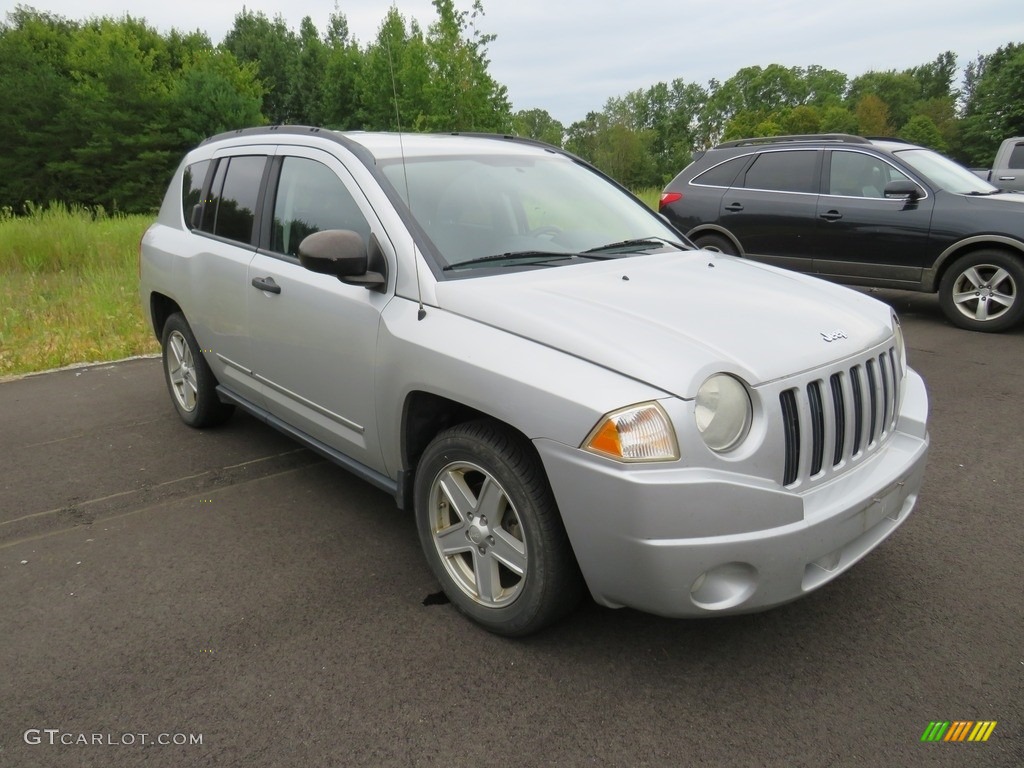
(724, 586)
(830, 561)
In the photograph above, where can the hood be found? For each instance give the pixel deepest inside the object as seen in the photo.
(672, 319)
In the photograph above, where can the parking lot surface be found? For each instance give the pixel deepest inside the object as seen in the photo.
(173, 597)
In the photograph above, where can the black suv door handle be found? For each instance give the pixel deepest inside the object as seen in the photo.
(734, 207)
(831, 216)
(266, 284)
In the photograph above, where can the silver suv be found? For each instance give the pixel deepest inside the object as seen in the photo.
(562, 389)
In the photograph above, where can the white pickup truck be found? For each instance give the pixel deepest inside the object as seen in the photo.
(1008, 169)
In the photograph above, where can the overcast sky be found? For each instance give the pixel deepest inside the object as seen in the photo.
(570, 56)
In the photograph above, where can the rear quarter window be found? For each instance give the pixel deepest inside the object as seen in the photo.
(192, 192)
(723, 174)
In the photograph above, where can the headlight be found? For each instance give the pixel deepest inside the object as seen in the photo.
(638, 433)
(901, 346)
(723, 412)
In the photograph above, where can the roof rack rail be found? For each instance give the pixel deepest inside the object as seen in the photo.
(845, 138)
(893, 139)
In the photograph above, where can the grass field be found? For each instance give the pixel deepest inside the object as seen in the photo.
(69, 292)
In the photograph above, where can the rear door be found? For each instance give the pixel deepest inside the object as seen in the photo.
(314, 337)
(771, 209)
(224, 243)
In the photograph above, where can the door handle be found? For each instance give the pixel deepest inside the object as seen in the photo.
(1007, 178)
(266, 284)
(734, 207)
(831, 216)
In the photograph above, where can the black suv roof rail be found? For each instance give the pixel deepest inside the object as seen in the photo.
(845, 138)
(892, 139)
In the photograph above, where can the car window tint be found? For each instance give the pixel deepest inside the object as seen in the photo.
(230, 210)
(311, 198)
(723, 174)
(856, 174)
(192, 190)
(784, 172)
(1017, 156)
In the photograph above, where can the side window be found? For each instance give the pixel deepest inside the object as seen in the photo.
(310, 198)
(230, 210)
(723, 174)
(789, 171)
(192, 191)
(1017, 156)
(855, 174)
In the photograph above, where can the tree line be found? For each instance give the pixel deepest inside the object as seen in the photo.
(99, 112)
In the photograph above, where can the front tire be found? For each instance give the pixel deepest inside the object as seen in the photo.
(491, 531)
(189, 379)
(982, 291)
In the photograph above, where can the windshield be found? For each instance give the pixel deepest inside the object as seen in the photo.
(475, 207)
(943, 173)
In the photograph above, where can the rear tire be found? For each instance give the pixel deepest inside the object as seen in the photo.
(982, 291)
(189, 379)
(491, 531)
(719, 243)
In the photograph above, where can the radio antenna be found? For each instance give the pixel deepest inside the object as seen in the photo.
(408, 195)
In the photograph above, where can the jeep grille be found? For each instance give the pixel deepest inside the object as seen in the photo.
(839, 417)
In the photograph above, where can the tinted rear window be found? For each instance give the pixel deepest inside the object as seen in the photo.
(231, 209)
(791, 171)
(192, 190)
(723, 174)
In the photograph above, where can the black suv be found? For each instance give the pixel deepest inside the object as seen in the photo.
(873, 212)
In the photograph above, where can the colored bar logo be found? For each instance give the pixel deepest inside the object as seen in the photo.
(958, 730)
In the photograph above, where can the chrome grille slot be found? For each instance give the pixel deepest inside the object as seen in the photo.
(834, 418)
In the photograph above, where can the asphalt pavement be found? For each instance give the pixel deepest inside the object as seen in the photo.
(172, 597)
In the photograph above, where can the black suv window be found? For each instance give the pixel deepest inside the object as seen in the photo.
(230, 211)
(723, 174)
(857, 174)
(789, 171)
(311, 198)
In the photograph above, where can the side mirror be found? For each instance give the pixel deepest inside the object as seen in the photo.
(902, 190)
(342, 253)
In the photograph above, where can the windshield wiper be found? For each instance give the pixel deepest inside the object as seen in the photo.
(637, 243)
(515, 258)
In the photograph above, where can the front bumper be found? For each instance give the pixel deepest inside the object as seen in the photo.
(684, 541)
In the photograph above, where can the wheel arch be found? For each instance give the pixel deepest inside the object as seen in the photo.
(715, 229)
(424, 416)
(1009, 245)
(161, 307)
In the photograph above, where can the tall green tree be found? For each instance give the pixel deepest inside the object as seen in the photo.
(117, 117)
(461, 91)
(341, 75)
(995, 108)
(538, 124)
(35, 84)
(212, 93)
(274, 49)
